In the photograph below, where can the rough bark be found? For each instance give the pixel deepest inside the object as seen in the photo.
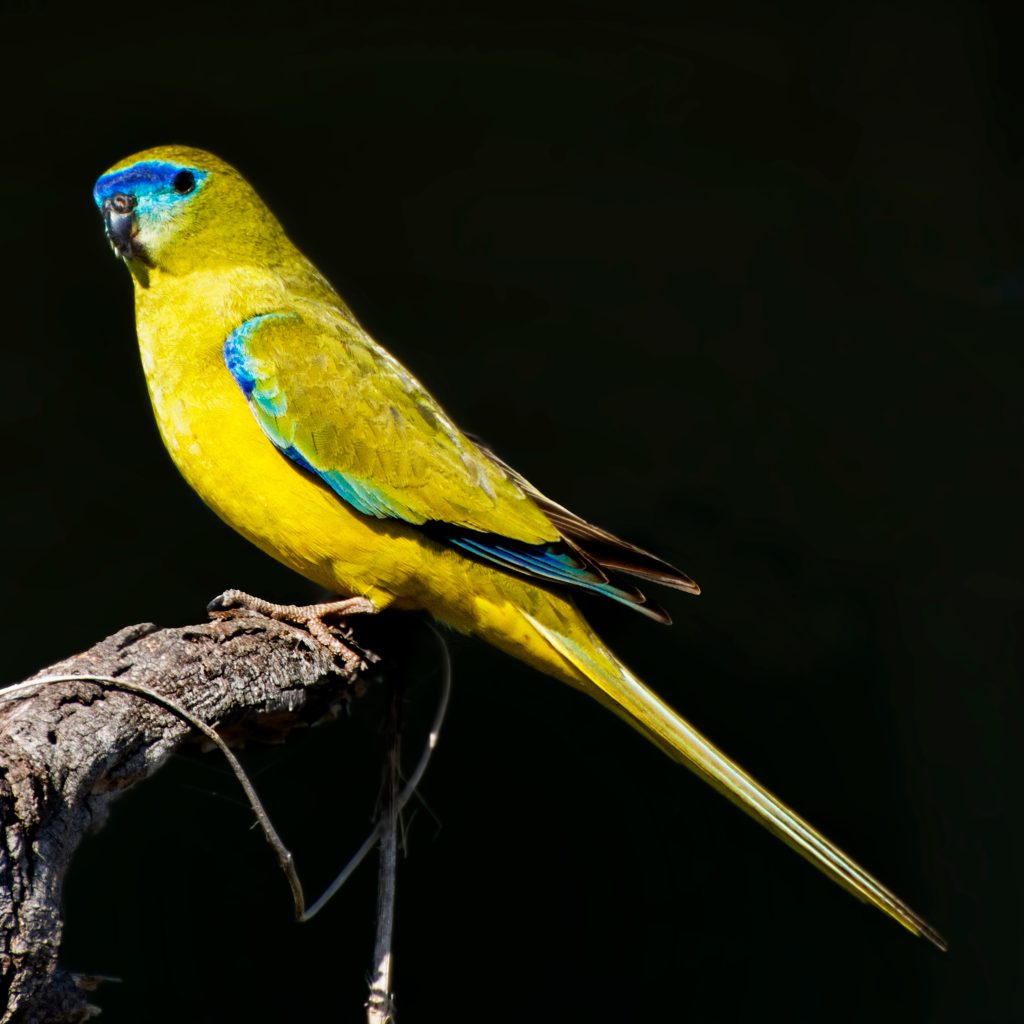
(67, 749)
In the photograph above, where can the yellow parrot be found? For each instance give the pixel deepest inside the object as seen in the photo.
(312, 441)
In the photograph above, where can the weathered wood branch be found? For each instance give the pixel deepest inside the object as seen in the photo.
(67, 749)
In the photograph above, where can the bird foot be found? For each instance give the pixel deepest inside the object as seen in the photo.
(310, 617)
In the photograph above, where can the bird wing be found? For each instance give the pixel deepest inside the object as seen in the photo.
(342, 408)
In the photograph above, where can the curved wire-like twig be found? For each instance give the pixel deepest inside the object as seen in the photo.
(380, 1006)
(408, 789)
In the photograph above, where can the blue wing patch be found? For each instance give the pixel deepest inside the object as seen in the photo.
(553, 562)
(240, 362)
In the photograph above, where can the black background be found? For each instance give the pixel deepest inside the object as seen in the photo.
(742, 285)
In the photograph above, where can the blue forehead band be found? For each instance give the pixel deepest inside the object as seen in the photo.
(145, 178)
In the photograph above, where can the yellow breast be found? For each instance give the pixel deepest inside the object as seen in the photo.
(221, 451)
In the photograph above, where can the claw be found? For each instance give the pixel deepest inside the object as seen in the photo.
(310, 617)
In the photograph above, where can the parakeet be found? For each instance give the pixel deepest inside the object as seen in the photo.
(311, 440)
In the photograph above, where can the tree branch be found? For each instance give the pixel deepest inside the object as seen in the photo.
(68, 748)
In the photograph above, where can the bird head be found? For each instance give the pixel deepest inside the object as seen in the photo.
(177, 209)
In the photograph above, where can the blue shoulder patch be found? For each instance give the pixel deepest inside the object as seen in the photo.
(239, 360)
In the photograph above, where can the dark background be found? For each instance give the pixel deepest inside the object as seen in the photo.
(744, 286)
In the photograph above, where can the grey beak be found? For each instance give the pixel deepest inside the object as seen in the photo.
(119, 218)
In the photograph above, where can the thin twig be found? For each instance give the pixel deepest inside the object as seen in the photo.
(380, 1006)
(407, 791)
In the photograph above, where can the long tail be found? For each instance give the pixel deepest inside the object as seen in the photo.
(630, 699)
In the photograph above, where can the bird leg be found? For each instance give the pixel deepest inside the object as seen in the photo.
(310, 617)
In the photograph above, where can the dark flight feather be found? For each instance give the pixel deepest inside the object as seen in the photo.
(599, 547)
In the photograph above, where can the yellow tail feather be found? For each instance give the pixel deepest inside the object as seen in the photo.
(642, 709)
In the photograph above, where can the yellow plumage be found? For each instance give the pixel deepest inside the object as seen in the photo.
(308, 438)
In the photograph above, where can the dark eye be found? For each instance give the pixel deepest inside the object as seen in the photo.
(184, 182)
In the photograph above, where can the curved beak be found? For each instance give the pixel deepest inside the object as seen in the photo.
(121, 227)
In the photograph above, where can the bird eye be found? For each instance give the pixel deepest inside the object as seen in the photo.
(184, 182)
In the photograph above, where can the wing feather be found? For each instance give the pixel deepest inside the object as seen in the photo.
(324, 391)
(342, 408)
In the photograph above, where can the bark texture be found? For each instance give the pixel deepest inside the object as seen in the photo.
(67, 749)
